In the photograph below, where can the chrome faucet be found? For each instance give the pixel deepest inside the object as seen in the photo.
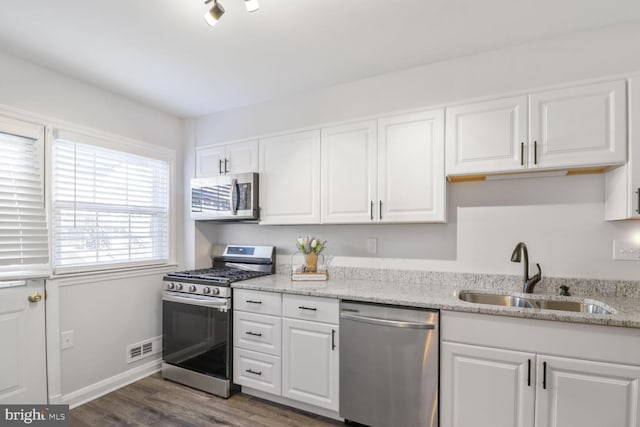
(529, 282)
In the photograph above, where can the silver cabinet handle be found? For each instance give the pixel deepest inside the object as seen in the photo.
(220, 166)
(255, 334)
(302, 307)
(522, 154)
(380, 212)
(251, 371)
(638, 193)
(371, 209)
(535, 152)
(383, 322)
(225, 165)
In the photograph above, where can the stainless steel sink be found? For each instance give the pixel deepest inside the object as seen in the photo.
(494, 299)
(590, 306)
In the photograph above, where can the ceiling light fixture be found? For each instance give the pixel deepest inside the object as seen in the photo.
(214, 14)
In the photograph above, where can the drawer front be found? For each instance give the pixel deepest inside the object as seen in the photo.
(311, 308)
(257, 370)
(257, 301)
(257, 332)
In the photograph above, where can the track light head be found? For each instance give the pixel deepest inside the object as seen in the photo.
(214, 14)
(251, 5)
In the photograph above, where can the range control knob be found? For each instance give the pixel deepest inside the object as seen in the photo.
(215, 291)
(192, 288)
(178, 286)
(171, 286)
(206, 290)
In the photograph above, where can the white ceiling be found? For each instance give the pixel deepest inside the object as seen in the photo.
(161, 53)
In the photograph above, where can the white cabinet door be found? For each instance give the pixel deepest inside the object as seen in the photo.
(23, 376)
(487, 137)
(290, 178)
(242, 157)
(349, 161)
(579, 126)
(236, 157)
(210, 161)
(483, 386)
(310, 362)
(580, 393)
(411, 180)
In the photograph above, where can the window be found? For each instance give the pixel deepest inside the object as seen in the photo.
(109, 207)
(23, 225)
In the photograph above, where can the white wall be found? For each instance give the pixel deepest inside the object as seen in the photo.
(561, 219)
(107, 314)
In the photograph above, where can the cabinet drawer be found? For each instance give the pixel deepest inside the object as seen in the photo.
(257, 301)
(257, 332)
(257, 370)
(311, 308)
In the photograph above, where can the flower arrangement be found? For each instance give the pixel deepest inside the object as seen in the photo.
(308, 245)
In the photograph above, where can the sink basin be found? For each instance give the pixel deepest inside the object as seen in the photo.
(591, 307)
(493, 299)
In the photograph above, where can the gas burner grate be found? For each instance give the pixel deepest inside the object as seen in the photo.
(219, 275)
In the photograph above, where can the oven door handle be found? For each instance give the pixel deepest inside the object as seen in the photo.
(217, 303)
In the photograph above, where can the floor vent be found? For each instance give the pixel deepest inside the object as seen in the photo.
(143, 349)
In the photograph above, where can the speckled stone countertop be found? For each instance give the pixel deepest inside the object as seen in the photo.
(440, 291)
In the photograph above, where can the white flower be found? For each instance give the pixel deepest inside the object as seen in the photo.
(314, 242)
(306, 240)
(300, 241)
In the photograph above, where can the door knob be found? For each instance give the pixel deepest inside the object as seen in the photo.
(35, 297)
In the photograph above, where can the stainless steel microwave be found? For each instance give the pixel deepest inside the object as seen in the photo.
(225, 198)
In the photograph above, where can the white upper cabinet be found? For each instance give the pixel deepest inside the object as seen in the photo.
(236, 157)
(487, 136)
(349, 172)
(411, 180)
(623, 183)
(290, 178)
(579, 126)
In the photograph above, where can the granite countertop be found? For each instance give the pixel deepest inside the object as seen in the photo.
(439, 291)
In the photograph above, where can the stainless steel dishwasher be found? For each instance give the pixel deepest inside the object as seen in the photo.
(389, 365)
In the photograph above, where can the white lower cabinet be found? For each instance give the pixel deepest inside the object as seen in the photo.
(287, 346)
(310, 362)
(585, 393)
(484, 386)
(514, 382)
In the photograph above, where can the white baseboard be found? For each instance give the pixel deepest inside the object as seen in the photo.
(93, 391)
(293, 403)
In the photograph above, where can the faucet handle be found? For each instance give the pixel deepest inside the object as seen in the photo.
(539, 274)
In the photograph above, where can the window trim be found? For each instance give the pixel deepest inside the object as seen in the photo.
(123, 144)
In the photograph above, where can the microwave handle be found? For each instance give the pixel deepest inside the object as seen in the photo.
(234, 188)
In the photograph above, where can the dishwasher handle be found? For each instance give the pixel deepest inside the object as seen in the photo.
(392, 323)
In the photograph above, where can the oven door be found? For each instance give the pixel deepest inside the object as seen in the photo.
(196, 333)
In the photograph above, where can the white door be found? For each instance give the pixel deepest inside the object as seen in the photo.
(411, 180)
(210, 161)
(482, 386)
(310, 362)
(349, 170)
(290, 178)
(487, 137)
(580, 126)
(23, 376)
(580, 393)
(242, 157)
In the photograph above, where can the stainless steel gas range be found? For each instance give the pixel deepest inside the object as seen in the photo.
(197, 327)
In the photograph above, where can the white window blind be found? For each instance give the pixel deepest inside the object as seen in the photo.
(109, 207)
(24, 251)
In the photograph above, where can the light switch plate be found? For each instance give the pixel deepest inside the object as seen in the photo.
(626, 251)
(372, 245)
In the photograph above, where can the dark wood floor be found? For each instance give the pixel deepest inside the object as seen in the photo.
(153, 401)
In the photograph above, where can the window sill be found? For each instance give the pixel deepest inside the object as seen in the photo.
(82, 277)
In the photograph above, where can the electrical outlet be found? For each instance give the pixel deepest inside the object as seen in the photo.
(626, 251)
(372, 245)
(66, 340)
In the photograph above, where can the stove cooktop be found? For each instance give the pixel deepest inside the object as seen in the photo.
(223, 276)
